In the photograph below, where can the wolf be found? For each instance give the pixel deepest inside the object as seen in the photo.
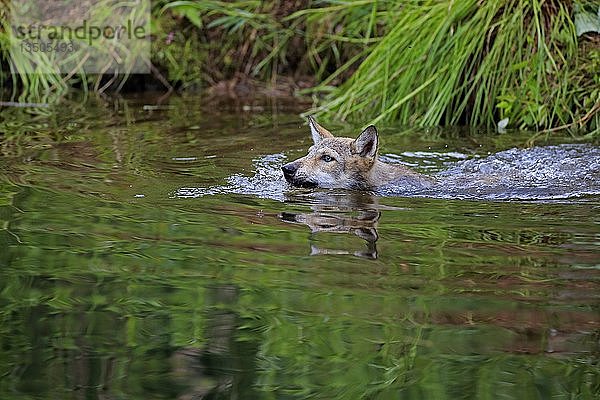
(346, 163)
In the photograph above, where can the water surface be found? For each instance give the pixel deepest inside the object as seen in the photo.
(156, 253)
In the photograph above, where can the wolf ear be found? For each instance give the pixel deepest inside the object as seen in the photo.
(317, 131)
(366, 144)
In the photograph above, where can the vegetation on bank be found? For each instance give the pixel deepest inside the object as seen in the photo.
(532, 63)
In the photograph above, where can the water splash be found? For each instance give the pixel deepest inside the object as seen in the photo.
(539, 173)
(267, 181)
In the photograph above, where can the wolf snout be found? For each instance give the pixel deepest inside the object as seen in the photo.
(289, 170)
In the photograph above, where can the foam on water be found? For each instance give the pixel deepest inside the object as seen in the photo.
(549, 172)
(267, 181)
(539, 173)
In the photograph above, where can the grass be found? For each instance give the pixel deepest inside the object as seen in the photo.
(266, 39)
(468, 62)
(40, 75)
(422, 63)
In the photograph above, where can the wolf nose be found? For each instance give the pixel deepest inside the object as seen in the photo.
(289, 169)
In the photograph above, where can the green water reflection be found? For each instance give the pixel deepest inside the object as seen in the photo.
(111, 287)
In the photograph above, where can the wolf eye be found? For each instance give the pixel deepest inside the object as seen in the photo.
(327, 158)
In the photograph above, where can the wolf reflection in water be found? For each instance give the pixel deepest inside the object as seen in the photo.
(346, 213)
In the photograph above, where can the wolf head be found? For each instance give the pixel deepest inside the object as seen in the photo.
(334, 162)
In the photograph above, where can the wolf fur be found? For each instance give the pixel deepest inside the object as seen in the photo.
(345, 163)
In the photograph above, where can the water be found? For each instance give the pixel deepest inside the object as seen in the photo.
(156, 253)
(567, 171)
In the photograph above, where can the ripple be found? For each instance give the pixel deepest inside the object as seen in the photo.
(538, 173)
(267, 181)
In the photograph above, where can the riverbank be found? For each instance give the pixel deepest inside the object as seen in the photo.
(527, 65)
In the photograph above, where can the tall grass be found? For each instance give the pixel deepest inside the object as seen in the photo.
(425, 63)
(472, 62)
(267, 39)
(39, 75)
(418, 63)
(20, 64)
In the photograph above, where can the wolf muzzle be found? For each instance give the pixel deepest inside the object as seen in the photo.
(289, 170)
(289, 173)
